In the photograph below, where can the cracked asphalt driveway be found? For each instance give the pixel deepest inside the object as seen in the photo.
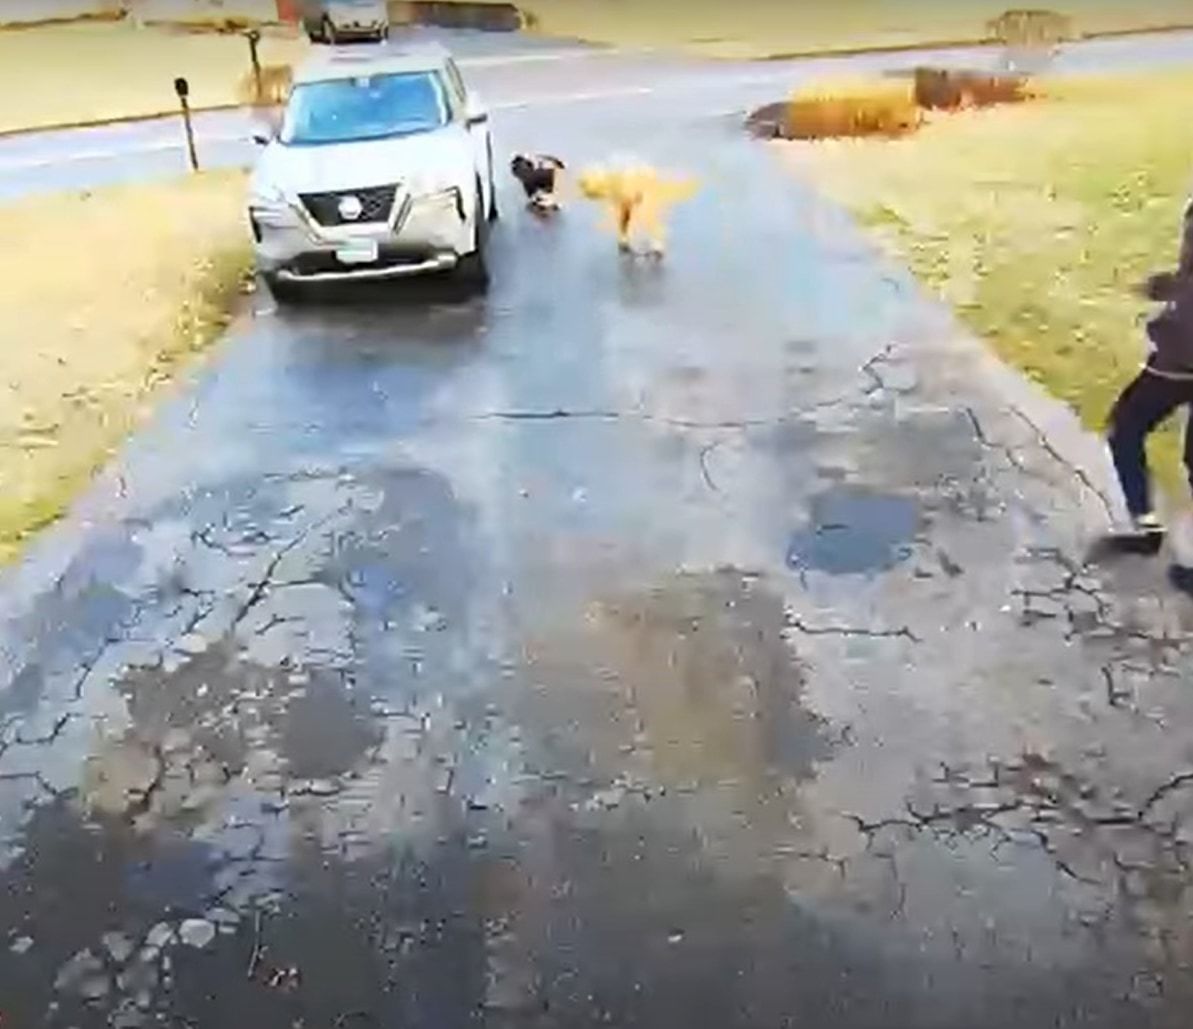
(704, 643)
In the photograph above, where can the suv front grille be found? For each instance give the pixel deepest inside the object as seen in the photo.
(376, 204)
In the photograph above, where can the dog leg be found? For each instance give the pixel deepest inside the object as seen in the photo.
(625, 218)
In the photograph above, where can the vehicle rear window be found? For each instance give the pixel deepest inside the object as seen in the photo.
(367, 107)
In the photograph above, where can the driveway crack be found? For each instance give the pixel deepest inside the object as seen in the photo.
(902, 632)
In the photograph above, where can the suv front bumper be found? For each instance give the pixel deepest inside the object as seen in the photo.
(389, 265)
(350, 29)
(422, 235)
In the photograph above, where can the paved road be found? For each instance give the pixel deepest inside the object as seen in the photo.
(513, 72)
(710, 642)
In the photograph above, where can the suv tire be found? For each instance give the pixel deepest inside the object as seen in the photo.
(473, 268)
(494, 213)
(284, 293)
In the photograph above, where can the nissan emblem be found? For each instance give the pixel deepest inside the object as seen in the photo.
(351, 208)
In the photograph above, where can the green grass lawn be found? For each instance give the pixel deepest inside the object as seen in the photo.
(1036, 220)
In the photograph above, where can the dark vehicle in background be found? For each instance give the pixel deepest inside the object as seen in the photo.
(340, 21)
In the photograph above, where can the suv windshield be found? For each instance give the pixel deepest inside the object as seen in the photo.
(367, 107)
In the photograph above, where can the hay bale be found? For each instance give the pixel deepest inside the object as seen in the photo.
(853, 108)
(950, 89)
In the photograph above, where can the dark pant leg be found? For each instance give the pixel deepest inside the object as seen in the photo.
(1189, 435)
(1143, 405)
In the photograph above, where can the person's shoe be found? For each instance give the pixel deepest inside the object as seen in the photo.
(1148, 531)
(1144, 538)
(1148, 524)
(1181, 577)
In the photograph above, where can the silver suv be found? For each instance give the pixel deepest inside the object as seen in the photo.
(383, 168)
(337, 21)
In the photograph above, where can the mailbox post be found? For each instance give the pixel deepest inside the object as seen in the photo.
(254, 38)
(183, 89)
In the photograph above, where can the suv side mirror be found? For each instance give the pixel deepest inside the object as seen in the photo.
(267, 129)
(475, 112)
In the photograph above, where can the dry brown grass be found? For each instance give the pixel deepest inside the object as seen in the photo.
(107, 295)
(945, 89)
(1036, 220)
(768, 27)
(67, 74)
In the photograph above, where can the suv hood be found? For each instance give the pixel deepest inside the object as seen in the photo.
(424, 162)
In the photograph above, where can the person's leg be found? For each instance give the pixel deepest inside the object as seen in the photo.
(1143, 405)
(1181, 572)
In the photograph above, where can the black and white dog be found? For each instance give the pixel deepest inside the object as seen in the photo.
(539, 175)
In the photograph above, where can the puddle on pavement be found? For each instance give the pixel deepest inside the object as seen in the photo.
(165, 841)
(854, 530)
(217, 716)
(326, 729)
(201, 699)
(712, 678)
(73, 883)
(688, 689)
(106, 926)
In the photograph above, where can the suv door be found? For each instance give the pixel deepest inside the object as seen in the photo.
(476, 119)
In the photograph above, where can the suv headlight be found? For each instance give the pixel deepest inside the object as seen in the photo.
(268, 206)
(443, 197)
(266, 195)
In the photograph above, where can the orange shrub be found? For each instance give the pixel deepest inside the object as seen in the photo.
(945, 89)
(867, 108)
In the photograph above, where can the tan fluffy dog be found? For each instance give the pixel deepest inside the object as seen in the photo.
(637, 198)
